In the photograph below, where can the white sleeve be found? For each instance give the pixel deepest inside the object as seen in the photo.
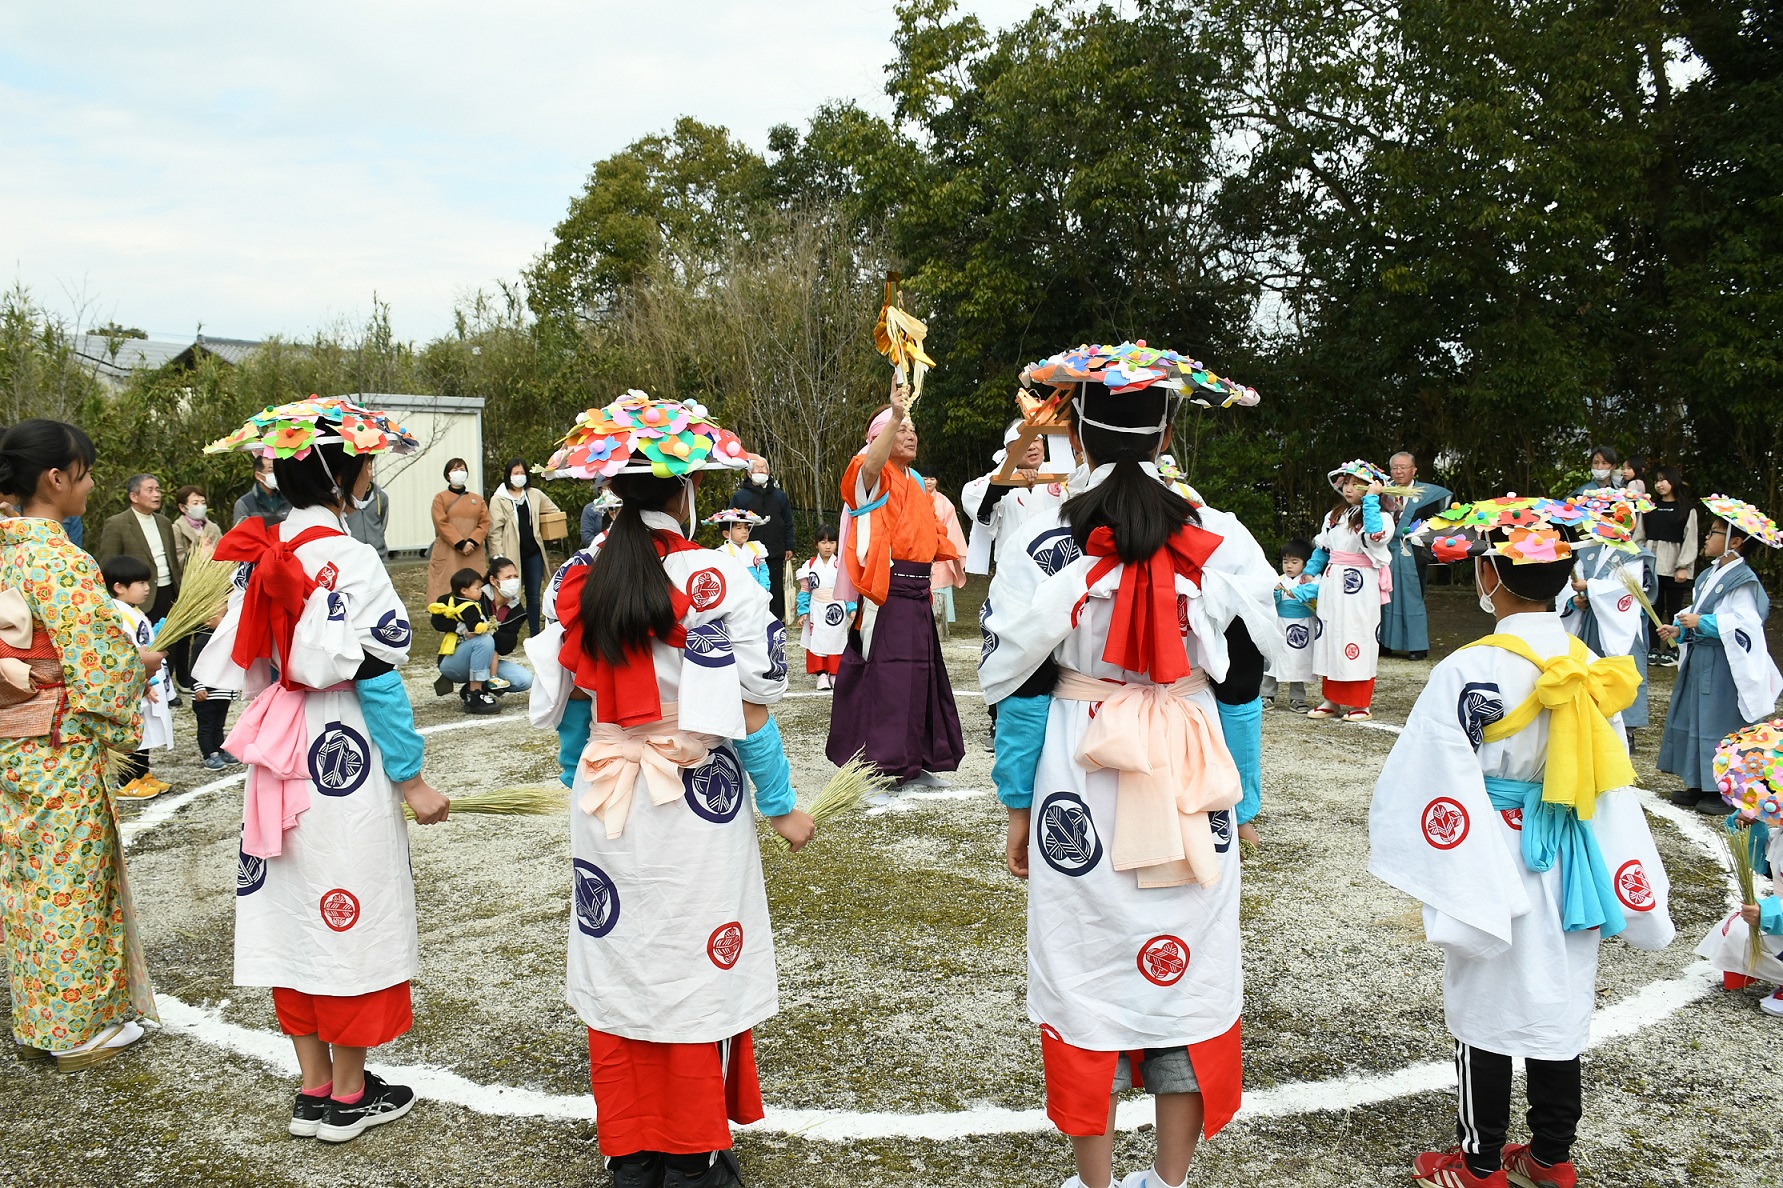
(1461, 940)
(758, 639)
(374, 609)
(1742, 638)
(1618, 611)
(1027, 613)
(215, 668)
(1236, 583)
(1636, 870)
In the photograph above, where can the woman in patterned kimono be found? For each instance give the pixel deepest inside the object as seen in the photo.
(70, 681)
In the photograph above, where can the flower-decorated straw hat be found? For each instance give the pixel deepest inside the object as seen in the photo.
(289, 430)
(735, 515)
(637, 434)
(1361, 469)
(1748, 771)
(1134, 366)
(1747, 518)
(1526, 531)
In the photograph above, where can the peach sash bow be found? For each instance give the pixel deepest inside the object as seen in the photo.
(1174, 770)
(616, 754)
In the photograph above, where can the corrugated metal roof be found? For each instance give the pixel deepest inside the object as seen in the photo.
(115, 359)
(410, 402)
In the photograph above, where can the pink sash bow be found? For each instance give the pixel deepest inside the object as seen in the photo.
(615, 755)
(1174, 769)
(273, 739)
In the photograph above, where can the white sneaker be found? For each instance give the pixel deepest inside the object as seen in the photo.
(928, 779)
(1149, 1178)
(1772, 1004)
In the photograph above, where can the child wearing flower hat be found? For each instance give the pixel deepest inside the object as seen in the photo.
(1355, 544)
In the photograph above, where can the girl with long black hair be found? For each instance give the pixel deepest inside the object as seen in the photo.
(1106, 626)
(671, 958)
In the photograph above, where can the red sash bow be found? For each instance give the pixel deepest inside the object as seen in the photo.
(624, 694)
(277, 590)
(1146, 633)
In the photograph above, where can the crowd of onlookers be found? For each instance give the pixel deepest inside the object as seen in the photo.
(1670, 532)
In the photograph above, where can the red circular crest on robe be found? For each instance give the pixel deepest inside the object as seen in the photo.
(1182, 613)
(706, 589)
(1513, 818)
(1163, 960)
(340, 909)
(1624, 602)
(1445, 823)
(327, 576)
(725, 945)
(1351, 650)
(1632, 887)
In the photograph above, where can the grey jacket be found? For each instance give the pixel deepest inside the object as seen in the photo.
(366, 524)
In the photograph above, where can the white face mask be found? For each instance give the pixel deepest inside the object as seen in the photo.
(457, 477)
(759, 478)
(196, 511)
(517, 481)
(509, 587)
(1602, 476)
(1485, 599)
(270, 481)
(362, 503)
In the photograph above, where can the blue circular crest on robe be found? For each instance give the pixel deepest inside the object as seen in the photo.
(990, 640)
(1298, 637)
(337, 609)
(1066, 835)
(811, 581)
(776, 650)
(393, 629)
(1352, 581)
(250, 873)
(243, 572)
(1054, 549)
(834, 613)
(715, 787)
(597, 899)
(1744, 640)
(579, 558)
(340, 760)
(1479, 705)
(709, 645)
(1318, 628)
(1221, 825)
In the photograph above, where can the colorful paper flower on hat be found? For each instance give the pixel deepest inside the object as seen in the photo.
(1561, 511)
(1135, 366)
(1358, 468)
(1748, 771)
(1747, 518)
(735, 515)
(637, 434)
(1535, 546)
(288, 430)
(1451, 546)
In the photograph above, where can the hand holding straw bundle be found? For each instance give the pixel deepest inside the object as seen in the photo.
(1640, 596)
(1739, 845)
(853, 783)
(204, 593)
(506, 802)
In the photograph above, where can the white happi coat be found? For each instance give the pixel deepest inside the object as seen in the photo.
(157, 714)
(1110, 966)
(1514, 981)
(1296, 636)
(1012, 507)
(1347, 628)
(1726, 945)
(826, 617)
(334, 913)
(1617, 610)
(1739, 623)
(669, 939)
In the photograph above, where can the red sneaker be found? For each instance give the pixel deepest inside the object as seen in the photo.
(1521, 1168)
(1447, 1169)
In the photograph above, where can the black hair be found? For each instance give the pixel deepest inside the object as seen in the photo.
(32, 447)
(446, 470)
(1748, 544)
(124, 570)
(1638, 464)
(497, 564)
(1537, 581)
(464, 579)
(1142, 512)
(1298, 548)
(1608, 451)
(1674, 476)
(626, 599)
(507, 471)
(312, 481)
(824, 534)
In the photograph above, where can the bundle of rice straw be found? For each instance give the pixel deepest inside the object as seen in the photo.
(1640, 596)
(117, 767)
(536, 801)
(204, 592)
(1739, 844)
(854, 782)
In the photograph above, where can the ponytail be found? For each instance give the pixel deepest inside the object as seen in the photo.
(1140, 510)
(626, 602)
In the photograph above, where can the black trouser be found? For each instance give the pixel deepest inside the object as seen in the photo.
(777, 585)
(136, 766)
(212, 714)
(1556, 1101)
(1673, 596)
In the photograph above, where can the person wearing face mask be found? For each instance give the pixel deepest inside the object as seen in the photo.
(192, 527)
(460, 526)
(506, 609)
(367, 518)
(777, 534)
(1605, 470)
(517, 512)
(263, 499)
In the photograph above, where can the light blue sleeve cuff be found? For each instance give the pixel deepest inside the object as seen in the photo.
(760, 574)
(1316, 566)
(1371, 515)
(1021, 733)
(1306, 593)
(1707, 626)
(390, 720)
(1770, 915)
(764, 758)
(1243, 727)
(572, 738)
(804, 601)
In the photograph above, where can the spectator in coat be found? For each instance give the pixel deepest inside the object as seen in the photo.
(516, 511)
(763, 496)
(141, 531)
(368, 517)
(460, 525)
(263, 498)
(192, 528)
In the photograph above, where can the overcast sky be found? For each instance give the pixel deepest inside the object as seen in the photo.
(262, 168)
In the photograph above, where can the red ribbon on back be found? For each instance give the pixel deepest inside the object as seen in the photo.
(624, 694)
(277, 589)
(1146, 635)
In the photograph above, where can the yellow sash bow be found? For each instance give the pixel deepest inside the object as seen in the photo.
(1580, 694)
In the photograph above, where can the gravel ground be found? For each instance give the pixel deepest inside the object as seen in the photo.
(900, 942)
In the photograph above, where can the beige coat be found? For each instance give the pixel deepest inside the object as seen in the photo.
(187, 538)
(456, 517)
(504, 522)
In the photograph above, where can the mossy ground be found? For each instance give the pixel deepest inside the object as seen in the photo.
(900, 943)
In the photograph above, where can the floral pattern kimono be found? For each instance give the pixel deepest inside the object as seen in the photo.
(73, 956)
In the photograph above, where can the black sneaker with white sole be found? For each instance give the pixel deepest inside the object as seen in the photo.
(381, 1103)
(307, 1114)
